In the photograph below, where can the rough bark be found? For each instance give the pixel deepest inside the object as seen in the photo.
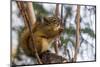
(49, 58)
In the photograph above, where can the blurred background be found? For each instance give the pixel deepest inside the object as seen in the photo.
(68, 37)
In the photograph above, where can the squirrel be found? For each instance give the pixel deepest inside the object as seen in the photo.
(44, 32)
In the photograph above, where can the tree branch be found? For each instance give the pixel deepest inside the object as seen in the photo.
(31, 13)
(62, 21)
(57, 39)
(57, 10)
(77, 34)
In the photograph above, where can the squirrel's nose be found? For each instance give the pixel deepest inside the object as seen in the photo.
(61, 29)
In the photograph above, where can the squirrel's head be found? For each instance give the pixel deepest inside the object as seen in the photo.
(54, 23)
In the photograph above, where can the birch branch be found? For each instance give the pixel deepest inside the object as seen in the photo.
(77, 34)
(31, 13)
